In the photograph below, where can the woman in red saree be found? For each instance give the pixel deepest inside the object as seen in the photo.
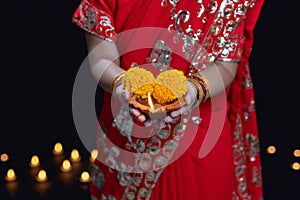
(209, 151)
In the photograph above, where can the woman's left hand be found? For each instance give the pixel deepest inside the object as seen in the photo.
(190, 99)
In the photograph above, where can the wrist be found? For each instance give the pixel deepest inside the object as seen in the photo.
(117, 81)
(200, 93)
(201, 83)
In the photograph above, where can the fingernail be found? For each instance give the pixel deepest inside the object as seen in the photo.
(173, 114)
(147, 124)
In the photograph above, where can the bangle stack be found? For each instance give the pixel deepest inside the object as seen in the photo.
(202, 86)
(117, 81)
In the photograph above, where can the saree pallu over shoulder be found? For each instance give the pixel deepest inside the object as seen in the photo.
(235, 22)
(230, 39)
(225, 37)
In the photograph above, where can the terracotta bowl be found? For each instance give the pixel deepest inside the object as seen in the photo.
(159, 110)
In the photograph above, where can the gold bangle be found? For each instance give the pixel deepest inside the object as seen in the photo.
(205, 84)
(116, 81)
(200, 92)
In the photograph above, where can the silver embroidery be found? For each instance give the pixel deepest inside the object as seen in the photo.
(164, 133)
(188, 36)
(257, 178)
(164, 3)
(154, 146)
(124, 178)
(229, 27)
(196, 120)
(246, 116)
(130, 195)
(108, 197)
(228, 10)
(240, 160)
(216, 29)
(253, 146)
(112, 153)
(212, 6)
(123, 122)
(144, 161)
(160, 56)
(200, 60)
(201, 11)
(91, 18)
(159, 162)
(143, 192)
(105, 22)
(97, 176)
(251, 105)
(239, 13)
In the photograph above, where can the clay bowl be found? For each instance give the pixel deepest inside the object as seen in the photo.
(159, 111)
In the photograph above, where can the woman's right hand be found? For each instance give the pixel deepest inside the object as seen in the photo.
(123, 97)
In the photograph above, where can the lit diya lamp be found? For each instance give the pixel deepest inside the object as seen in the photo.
(85, 177)
(156, 97)
(58, 149)
(41, 176)
(297, 152)
(66, 166)
(75, 156)
(35, 161)
(10, 175)
(94, 155)
(295, 166)
(4, 157)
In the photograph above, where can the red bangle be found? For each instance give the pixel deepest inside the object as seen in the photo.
(203, 82)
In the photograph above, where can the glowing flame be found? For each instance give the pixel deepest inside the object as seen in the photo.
(42, 176)
(58, 148)
(150, 101)
(75, 155)
(4, 157)
(66, 166)
(271, 149)
(35, 162)
(297, 153)
(85, 177)
(10, 176)
(295, 166)
(94, 155)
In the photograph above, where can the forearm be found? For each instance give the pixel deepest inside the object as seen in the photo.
(219, 75)
(105, 71)
(104, 61)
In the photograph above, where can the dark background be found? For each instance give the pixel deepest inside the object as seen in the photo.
(41, 53)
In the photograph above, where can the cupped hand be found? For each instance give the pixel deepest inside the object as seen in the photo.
(190, 98)
(123, 97)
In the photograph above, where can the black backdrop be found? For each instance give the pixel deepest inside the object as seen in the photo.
(42, 51)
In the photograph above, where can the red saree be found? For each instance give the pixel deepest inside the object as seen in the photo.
(192, 158)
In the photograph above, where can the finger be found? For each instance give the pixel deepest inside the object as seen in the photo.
(126, 94)
(168, 119)
(147, 123)
(119, 90)
(135, 112)
(182, 110)
(188, 99)
(177, 113)
(142, 118)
